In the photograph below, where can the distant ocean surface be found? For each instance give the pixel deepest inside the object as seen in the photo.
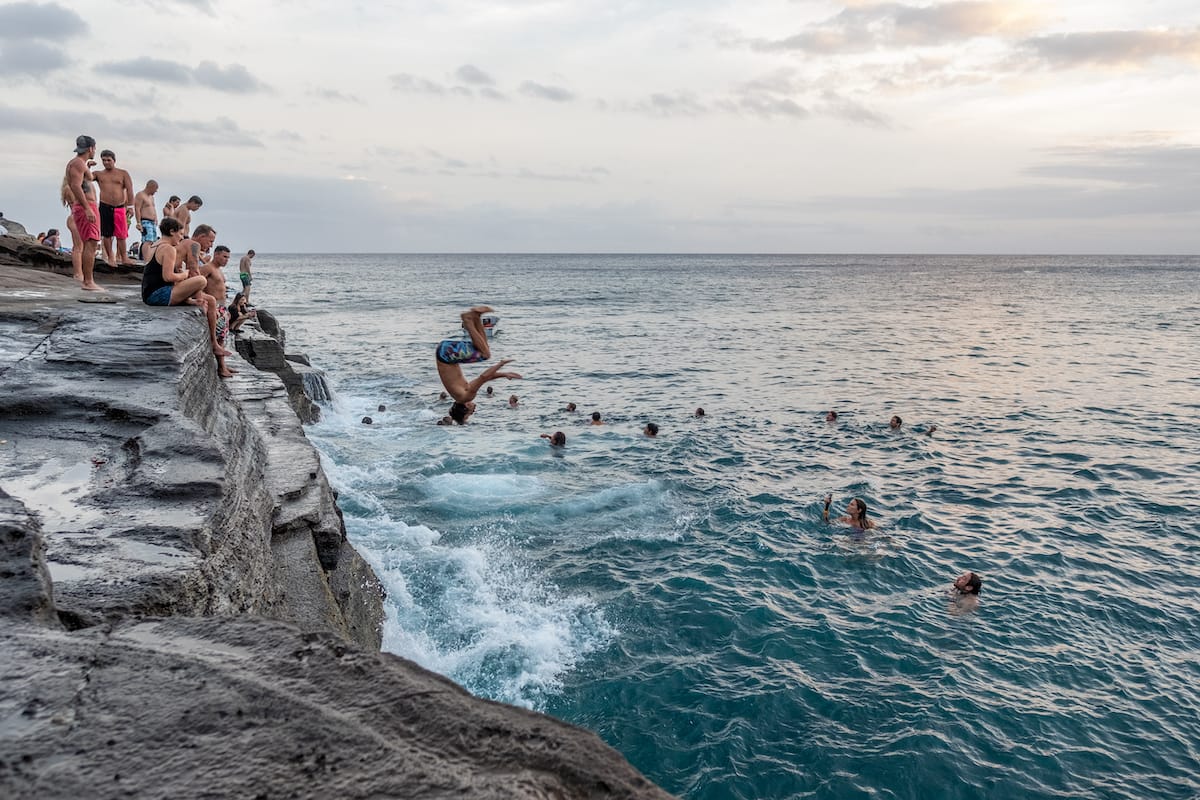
(682, 598)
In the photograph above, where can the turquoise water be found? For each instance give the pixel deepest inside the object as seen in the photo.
(682, 597)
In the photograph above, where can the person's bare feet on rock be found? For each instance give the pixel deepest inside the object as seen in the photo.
(93, 287)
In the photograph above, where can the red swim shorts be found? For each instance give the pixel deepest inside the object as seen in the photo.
(88, 231)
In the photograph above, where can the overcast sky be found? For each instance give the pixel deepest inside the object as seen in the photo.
(602, 126)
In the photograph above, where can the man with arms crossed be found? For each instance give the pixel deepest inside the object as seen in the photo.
(146, 214)
(116, 203)
(78, 184)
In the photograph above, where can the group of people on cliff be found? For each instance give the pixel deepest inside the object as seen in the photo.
(181, 265)
(105, 208)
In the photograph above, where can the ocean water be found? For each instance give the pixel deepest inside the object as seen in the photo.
(682, 597)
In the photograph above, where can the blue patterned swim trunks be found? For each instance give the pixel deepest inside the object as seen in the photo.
(458, 351)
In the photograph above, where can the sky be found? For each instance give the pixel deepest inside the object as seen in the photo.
(780, 126)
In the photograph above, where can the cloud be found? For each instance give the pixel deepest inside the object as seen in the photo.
(676, 104)
(555, 94)
(30, 58)
(1080, 183)
(334, 96)
(21, 22)
(1160, 164)
(234, 79)
(151, 69)
(222, 131)
(834, 105)
(1113, 48)
(864, 27)
(406, 82)
(474, 76)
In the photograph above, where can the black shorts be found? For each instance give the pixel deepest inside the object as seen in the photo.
(108, 222)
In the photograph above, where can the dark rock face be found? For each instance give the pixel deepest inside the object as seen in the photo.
(162, 490)
(25, 251)
(189, 707)
(181, 614)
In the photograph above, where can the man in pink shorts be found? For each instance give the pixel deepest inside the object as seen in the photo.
(78, 186)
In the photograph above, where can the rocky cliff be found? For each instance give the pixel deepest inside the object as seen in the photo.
(182, 613)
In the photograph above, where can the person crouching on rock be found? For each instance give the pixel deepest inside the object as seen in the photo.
(452, 353)
(162, 285)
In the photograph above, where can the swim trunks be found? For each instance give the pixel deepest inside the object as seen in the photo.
(160, 297)
(246, 280)
(88, 231)
(458, 351)
(149, 230)
(113, 222)
(222, 324)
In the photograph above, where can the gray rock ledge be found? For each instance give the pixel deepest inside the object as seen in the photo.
(181, 614)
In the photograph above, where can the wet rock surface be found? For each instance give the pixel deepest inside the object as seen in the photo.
(183, 614)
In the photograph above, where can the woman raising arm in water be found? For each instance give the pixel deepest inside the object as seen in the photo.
(856, 514)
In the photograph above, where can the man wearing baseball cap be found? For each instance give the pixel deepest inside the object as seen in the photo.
(77, 187)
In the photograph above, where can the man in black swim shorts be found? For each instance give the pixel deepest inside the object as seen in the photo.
(453, 353)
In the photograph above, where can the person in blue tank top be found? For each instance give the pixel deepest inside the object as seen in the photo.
(453, 353)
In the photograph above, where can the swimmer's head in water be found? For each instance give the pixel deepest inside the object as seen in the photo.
(831, 416)
(968, 583)
(651, 429)
(559, 439)
(460, 411)
(857, 511)
(490, 391)
(699, 412)
(595, 416)
(895, 423)
(570, 406)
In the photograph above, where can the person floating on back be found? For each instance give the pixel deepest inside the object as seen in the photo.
(453, 353)
(856, 514)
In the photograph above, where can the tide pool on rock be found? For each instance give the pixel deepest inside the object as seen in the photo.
(681, 597)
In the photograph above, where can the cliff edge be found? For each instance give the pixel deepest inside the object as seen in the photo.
(183, 615)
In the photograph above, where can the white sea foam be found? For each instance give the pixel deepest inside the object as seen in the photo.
(474, 613)
(473, 491)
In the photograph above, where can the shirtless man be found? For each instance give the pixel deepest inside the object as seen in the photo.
(77, 187)
(116, 204)
(452, 353)
(194, 247)
(215, 288)
(169, 208)
(188, 254)
(184, 213)
(146, 214)
(244, 273)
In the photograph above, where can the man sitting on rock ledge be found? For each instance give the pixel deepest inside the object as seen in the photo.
(452, 353)
(164, 285)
